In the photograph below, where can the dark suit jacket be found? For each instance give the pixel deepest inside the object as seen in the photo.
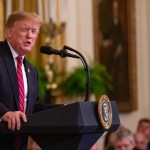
(9, 95)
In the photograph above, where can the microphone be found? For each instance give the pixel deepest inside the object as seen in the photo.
(62, 53)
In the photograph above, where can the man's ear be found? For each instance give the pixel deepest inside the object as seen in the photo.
(9, 32)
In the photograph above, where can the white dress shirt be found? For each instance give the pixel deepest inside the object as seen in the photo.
(23, 72)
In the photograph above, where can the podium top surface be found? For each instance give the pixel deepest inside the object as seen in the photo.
(78, 117)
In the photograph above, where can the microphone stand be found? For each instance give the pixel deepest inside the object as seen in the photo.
(86, 69)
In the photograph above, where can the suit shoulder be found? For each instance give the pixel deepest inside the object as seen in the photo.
(30, 65)
(4, 48)
(1, 46)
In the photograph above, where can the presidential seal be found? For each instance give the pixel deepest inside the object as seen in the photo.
(105, 112)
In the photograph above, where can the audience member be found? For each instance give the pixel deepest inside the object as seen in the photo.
(141, 142)
(144, 127)
(123, 139)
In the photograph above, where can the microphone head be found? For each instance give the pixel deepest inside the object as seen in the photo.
(62, 53)
(46, 50)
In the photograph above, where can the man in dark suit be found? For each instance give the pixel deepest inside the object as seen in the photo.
(22, 29)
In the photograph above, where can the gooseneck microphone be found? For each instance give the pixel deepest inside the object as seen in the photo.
(62, 53)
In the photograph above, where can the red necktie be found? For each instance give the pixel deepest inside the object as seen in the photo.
(17, 140)
(20, 83)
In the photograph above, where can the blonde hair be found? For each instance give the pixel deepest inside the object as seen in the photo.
(21, 15)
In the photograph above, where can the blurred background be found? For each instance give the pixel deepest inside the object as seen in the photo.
(87, 26)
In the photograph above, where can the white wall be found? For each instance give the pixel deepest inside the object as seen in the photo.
(80, 37)
(80, 29)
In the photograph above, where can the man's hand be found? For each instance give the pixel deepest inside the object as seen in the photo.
(13, 118)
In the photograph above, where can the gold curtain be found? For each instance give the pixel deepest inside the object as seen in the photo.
(59, 40)
(1, 20)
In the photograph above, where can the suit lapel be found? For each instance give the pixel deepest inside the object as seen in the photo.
(27, 70)
(13, 77)
(10, 65)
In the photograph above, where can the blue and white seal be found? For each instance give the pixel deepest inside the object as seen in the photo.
(105, 112)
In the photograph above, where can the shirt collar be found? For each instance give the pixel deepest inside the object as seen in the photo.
(14, 54)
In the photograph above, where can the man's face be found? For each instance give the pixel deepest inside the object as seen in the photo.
(22, 36)
(124, 144)
(144, 128)
(141, 141)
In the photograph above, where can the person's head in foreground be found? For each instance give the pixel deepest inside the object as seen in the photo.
(123, 139)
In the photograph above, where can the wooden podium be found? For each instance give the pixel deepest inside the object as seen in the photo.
(74, 126)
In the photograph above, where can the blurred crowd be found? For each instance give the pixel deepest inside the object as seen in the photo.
(124, 139)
